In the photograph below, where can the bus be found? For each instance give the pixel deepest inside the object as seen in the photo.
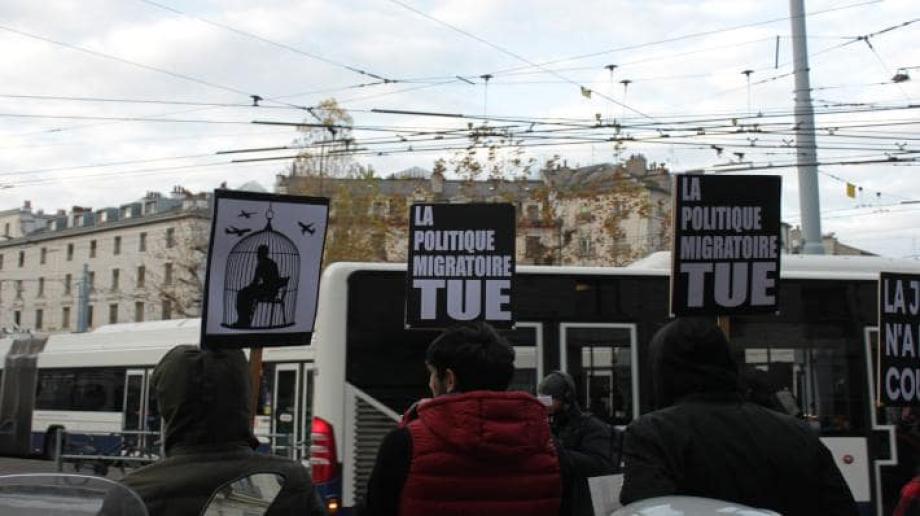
(98, 383)
(596, 324)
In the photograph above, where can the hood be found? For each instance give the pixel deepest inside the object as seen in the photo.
(691, 356)
(488, 423)
(204, 397)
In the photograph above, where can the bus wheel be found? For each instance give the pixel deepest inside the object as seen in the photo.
(49, 447)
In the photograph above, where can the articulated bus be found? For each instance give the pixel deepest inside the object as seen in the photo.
(98, 383)
(596, 323)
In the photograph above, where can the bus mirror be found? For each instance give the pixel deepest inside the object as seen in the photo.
(250, 495)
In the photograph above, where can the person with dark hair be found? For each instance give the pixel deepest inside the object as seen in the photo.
(472, 448)
(204, 397)
(706, 440)
(588, 447)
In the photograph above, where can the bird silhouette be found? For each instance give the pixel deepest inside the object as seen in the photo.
(306, 228)
(233, 230)
(246, 214)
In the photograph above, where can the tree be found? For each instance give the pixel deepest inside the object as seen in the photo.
(176, 275)
(325, 141)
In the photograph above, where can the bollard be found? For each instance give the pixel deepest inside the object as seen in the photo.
(59, 448)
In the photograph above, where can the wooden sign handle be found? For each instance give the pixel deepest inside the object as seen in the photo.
(725, 324)
(255, 376)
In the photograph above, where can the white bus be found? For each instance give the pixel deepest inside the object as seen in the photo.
(99, 383)
(596, 324)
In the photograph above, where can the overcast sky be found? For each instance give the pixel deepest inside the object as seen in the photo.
(54, 161)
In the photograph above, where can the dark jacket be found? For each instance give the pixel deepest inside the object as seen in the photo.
(204, 399)
(709, 442)
(482, 453)
(588, 447)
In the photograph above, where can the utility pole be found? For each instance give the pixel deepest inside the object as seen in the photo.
(83, 301)
(806, 155)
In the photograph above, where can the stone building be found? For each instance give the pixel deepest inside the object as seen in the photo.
(143, 261)
(599, 215)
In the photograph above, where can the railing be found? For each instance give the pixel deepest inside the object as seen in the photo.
(127, 449)
(101, 450)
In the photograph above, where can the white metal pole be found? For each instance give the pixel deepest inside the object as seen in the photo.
(806, 155)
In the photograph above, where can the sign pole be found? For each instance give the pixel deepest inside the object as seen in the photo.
(255, 375)
(725, 324)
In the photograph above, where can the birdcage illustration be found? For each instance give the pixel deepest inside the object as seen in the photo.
(260, 282)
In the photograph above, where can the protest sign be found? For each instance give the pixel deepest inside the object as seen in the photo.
(262, 275)
(725, 252)
(461, 263)
(899, 335)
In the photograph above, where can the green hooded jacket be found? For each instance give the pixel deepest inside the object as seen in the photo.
(204, 400)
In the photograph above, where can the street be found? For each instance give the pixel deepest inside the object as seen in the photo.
(18, 466)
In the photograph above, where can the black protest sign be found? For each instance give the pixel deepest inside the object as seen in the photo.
(725, 252)
(262, 275)
(461, 263)
(899, 337)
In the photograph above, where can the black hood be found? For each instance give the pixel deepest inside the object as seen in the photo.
(691, 356)
(204, 397)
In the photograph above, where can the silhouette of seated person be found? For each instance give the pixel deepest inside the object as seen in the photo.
(264, 287)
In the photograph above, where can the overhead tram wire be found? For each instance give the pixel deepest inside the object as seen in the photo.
(277, 44)
(512, 54)
(686, 36)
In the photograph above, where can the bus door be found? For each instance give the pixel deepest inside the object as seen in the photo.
(602, 359)
(134, 406)
(527, 339)
(302, 446)
(286, 409)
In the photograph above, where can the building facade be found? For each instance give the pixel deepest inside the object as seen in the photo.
(602, 215)
(140, 261)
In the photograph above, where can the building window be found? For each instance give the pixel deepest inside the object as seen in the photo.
(167, 273)
(22, 258)
(116, 245)
(113, 313)
(43, 256)
(115, 277)
(39, 318)
(531, 247)
(68, 280)
(142, 243)
(170, 237)
(69, 252)
(41, 287)
(138, 312)
(167, 310)
(6, 229)
(19, 289)
(141, 276)
(92, 248)
(91, 280)
(65, 317)
(1, 262)
(17, 318)
(89, 316)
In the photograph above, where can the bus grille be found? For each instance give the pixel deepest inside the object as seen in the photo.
(370, 429)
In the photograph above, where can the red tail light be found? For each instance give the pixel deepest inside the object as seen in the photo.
(322, 451)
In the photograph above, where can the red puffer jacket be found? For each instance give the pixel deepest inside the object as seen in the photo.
(482, 453)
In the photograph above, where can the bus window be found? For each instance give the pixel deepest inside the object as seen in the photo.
(599, 356)
(134, 385)
(528, 348)
(285, 414)
(815, 370)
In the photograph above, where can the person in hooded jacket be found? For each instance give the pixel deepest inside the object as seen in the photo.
(706, 441)
(204, 398)
(588, 447)
(472, 449)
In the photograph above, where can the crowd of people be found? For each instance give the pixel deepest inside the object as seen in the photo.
(475, 448)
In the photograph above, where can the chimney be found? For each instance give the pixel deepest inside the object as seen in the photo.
(27, 206)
